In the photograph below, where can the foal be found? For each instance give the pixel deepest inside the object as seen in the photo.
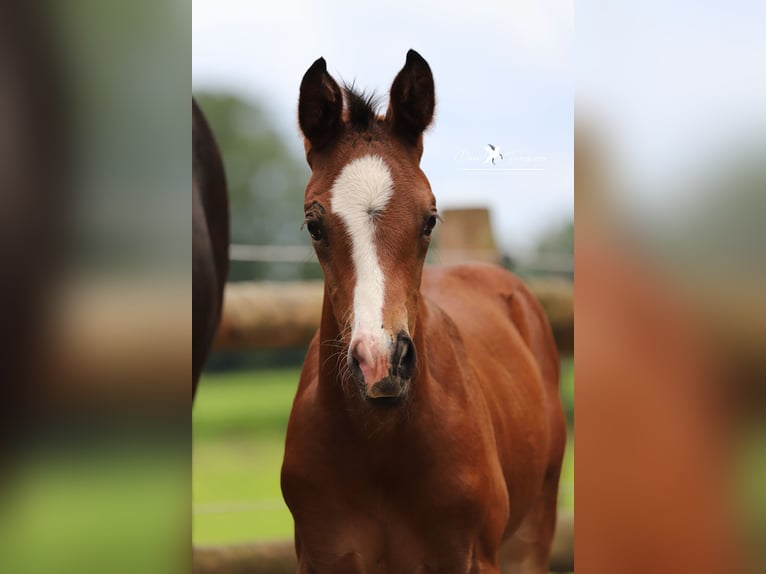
(426, 430)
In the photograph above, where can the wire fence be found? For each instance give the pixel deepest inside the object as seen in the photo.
(544, 263)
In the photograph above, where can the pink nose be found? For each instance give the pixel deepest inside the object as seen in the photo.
(372, 364)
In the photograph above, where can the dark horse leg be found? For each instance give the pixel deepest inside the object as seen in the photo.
(210, 240)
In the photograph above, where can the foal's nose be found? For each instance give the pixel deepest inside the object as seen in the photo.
(367, 362)
(372, 363)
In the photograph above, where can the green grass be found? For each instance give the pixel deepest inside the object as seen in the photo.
(244, 404)
(94, 505)
(239, 425)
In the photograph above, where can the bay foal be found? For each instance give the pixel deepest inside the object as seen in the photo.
(426, 430)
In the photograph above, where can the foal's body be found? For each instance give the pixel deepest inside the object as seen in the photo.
(437, 485)
(426, 430)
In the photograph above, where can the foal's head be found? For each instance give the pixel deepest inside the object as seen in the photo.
(370, 212)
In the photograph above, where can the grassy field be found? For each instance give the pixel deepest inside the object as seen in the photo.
(238, 427)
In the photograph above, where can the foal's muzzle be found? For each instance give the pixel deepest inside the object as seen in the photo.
(384, 377)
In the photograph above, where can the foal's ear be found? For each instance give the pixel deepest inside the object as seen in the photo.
(412, 98)
(320, 106)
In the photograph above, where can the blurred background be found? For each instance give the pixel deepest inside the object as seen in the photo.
(503, 77)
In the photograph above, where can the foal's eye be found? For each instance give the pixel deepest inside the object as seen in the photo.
(429, 225)
(315, 230)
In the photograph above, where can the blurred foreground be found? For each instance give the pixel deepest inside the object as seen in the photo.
(670, 399)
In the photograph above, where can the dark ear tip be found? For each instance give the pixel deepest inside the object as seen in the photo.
(319, 65)
(316, 71)
(414, 57)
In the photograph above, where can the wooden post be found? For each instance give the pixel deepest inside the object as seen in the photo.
(465, 235)
(261, 558)
(269, 315)
(278, 315)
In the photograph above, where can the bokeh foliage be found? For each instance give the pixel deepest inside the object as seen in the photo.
(266, 180)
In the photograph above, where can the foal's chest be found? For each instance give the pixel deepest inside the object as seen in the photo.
(394, 523)
(366, 548)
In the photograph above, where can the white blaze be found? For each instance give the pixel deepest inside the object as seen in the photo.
(363, 189)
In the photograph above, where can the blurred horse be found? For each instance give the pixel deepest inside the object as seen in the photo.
(210, 240)
(426, 434)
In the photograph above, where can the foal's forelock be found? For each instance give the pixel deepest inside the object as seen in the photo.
(360, 195)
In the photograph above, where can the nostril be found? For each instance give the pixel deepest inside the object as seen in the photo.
(405, 358)
(356, 368)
